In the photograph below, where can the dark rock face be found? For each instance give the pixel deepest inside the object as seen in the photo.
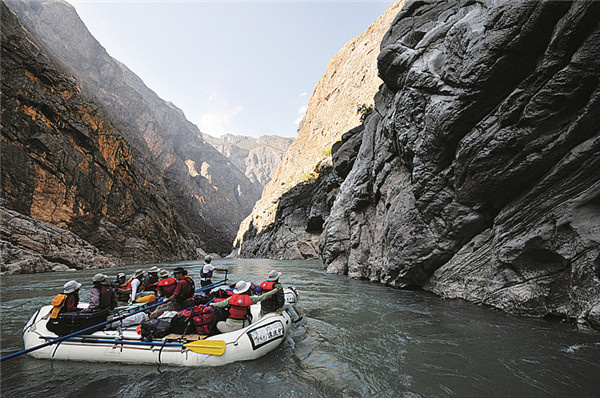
(210, 195)
(299, 221)
(65, 163)
(478, 177)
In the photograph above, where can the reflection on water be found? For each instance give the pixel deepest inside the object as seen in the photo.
(357, 339)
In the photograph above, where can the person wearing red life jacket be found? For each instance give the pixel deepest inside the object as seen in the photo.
(102, 295)
(151, 279)
(239, 307)
(166, 287)
(184, 289)
(275, 302)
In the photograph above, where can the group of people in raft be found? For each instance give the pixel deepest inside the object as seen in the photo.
(178, 297)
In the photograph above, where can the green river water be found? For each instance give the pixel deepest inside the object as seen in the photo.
(357, 339)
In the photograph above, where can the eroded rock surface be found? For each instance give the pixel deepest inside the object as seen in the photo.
(210, 193)
(66, 163)
(478, 177)
(30, 246)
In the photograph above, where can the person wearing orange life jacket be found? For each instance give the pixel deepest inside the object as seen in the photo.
(275, 302)
(122, 288)
(66, 302)
(184, 289)
(239, 307)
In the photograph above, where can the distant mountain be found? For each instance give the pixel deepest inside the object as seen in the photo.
(257, 157)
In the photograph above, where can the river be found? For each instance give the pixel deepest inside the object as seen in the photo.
(357, 339)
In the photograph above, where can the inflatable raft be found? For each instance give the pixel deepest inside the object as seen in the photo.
(262, 336)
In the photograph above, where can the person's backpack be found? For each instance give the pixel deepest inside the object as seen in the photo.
(180, 322)
(155, 328)
(204, 319)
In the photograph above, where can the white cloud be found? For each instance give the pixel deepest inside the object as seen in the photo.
(302, 112)
(218, 118)
(304, 94)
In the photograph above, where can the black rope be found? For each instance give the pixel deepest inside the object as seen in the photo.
(159, 354)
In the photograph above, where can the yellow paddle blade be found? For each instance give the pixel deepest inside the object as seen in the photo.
(210, 347)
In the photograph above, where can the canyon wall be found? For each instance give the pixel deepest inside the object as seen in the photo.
(257, 157)
(67, 167)
(477, 177)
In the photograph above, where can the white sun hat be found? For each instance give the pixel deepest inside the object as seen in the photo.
(241, 287)
(71, 286)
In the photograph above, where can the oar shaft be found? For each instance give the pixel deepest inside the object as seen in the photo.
(130, 342)
(208, 287)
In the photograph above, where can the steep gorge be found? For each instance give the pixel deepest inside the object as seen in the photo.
(350, 80)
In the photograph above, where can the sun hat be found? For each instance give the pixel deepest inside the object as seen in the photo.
(71, 286)
(154, 270)
(241, 287)
(99, 278)
(138, 272)
(164, 273)
(274, 275)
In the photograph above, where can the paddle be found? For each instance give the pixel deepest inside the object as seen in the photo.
(63, 338)
(210, 347)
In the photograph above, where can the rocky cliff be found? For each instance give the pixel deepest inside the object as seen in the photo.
(257, 157)
(477, 177)
(209, 193)
(66, 163)
(350, 80)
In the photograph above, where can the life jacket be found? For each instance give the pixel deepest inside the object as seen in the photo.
(267, 286)
(58, 302)
(166, 286)
(239, 306)
(189, 292)
(205, 275)
(274, 302)
(127, 285)
(152, 281)
(105, 295)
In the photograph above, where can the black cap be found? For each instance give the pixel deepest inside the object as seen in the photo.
(179, 269)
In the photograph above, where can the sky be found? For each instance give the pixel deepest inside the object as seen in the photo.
(244, 68)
